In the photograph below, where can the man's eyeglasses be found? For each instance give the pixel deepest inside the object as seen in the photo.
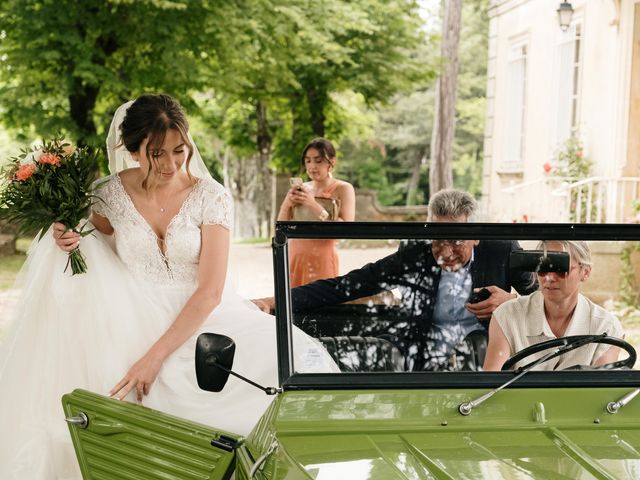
(560, 274)
(454, 244)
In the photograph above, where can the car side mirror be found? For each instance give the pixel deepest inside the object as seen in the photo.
(539, 261)
(214, 359)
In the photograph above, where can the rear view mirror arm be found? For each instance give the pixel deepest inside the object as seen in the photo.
(213, 361)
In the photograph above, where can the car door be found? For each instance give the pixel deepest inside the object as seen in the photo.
(120, 440)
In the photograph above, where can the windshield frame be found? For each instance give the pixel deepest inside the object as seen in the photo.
(429, 230)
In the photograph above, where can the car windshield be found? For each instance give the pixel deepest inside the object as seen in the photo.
(421, 299)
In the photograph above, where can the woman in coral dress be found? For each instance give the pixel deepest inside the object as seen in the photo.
(312, 260)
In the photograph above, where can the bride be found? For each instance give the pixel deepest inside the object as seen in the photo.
(127, 328)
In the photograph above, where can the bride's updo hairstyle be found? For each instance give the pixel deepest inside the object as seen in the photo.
(151, 116)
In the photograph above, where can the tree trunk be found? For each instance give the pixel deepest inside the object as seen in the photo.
(8, 239)
(267, 191)
(82, 98)
(440, 172)
(299, 122)
(81, 104)
(243, 178)
(412, 187)
(317, 101)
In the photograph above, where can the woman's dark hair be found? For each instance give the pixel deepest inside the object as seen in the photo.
(323, 146)
(151, 116)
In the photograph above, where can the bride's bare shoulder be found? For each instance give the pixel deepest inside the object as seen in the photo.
(129, 177)
(129, 173)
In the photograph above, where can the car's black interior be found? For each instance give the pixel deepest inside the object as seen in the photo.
(366, 336)
(363, 338)
(364, 354)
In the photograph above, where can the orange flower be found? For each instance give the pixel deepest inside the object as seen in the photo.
(547, 167)
(25, 171)
(50, 159)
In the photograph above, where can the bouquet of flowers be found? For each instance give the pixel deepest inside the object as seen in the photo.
(50, 183)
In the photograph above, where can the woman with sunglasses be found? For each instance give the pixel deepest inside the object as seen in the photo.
(557, 309)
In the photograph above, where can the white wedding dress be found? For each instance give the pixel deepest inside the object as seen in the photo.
(85, 331)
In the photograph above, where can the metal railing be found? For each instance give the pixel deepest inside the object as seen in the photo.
(558, 199)
(533, 201)
(599, 199)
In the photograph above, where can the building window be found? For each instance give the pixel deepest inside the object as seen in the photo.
(569, 66)
(516, 108)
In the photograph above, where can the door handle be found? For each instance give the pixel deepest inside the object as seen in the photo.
(81, 420)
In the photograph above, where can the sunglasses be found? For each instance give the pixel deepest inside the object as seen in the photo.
(560, 274)
(454, 244)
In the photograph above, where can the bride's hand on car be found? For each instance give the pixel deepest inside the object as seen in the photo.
(139, 377)
(266, 304)
(67, 239)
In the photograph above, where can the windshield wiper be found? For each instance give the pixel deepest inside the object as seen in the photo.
(465, 408)
(613, 407)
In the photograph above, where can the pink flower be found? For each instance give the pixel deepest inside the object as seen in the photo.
(547, 167)
(50, 159)
(25, 171)
(579, 153)
(634, 219)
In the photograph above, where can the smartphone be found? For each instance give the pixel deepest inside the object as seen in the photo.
(296, 182)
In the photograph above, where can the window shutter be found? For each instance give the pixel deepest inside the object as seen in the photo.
(567, 85)
(516, 106)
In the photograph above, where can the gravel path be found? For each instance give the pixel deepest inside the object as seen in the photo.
(8, 300)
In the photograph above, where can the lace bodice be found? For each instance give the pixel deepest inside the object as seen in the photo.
(137, 244)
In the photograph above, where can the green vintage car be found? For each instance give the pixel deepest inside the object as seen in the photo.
(392, 413)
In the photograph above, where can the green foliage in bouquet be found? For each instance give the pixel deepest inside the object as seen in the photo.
(50, 183)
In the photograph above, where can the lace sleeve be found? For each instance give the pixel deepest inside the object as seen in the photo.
(103, 191)
(217, 205)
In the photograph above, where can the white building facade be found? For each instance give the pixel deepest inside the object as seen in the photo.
(546, 85)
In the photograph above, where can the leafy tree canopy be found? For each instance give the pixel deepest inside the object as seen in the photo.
(64, 64)
(303, 52)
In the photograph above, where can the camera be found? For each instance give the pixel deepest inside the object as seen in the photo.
(479, 296)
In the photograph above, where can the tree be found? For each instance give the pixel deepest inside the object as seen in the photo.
(294, 67)
(369, 49)
(404, 128)
(275, 66)
(440, 173)
(471, 97)
(65, 63)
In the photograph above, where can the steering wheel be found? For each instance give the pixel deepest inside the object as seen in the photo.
(567, 344)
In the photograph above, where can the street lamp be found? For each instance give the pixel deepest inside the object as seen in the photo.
(565, 12)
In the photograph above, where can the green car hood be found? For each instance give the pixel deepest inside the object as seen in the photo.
(410, 434)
